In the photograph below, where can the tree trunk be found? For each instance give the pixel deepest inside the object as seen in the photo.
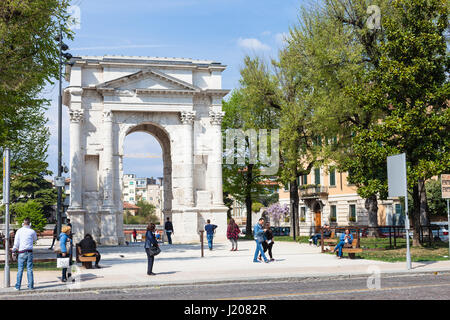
(415, 215)
(424, 212)
(248, 199)
(294, 202)
(371, 205)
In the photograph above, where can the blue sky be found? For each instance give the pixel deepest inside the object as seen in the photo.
(220, 30)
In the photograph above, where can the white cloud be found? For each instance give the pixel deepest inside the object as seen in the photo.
(252, 44)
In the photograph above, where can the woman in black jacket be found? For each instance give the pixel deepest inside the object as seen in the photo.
(268, 241)
(150, 245)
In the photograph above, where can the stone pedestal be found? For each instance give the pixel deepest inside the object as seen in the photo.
(108, 227)
(77, 219)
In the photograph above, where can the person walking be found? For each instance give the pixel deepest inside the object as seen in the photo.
(55, 236)
(150, 245)
(169, 230)
(345, 239)
(233, 234)
(65, 245)
(134, 235)
(210, 229)
(267, 244)
(258, 234)
(23, 245)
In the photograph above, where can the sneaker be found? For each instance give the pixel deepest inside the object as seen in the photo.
(17, 289)
(272, 259)
(266, 261)
(256, 261)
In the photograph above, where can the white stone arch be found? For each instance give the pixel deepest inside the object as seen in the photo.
(179, 101)
(157, 131)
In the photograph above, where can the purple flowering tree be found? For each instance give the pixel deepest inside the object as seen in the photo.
(277, 212)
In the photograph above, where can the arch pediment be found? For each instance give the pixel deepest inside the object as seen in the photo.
(148, 81)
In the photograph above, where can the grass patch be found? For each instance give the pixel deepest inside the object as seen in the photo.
(301, 239)
(378, 249)
(37, 266)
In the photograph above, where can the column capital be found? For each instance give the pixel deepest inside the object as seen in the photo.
(107, 116)
(187, 117)
(76, 115)
(216, 117)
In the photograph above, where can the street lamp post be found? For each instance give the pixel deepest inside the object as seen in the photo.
(59, 181)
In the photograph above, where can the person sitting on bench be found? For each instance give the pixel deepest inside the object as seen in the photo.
(317, 236)
(88, 248)
(346, 239)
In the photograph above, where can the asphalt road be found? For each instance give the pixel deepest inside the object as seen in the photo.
(416, 287)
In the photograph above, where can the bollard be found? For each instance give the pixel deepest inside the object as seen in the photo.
(201, 240)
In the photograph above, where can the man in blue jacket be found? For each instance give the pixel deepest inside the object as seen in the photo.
(209, 228)
(258, 234)
(346, 238)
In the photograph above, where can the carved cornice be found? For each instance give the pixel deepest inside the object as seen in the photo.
(216, 117)
(76, 116)
(187, 117)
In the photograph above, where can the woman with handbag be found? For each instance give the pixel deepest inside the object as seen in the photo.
(65, 244)
(151, 247)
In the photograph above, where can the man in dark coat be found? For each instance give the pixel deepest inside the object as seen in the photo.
(88, 246)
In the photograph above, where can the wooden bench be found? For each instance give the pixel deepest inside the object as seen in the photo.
(332, 241)
(86, 261)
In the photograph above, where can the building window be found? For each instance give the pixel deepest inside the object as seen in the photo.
(305, 179)
(317, 176)
(286, 187)
(352, 212)
(332, 177)
(131, 183)
(398, 208)
(333, 213)
(302, 214)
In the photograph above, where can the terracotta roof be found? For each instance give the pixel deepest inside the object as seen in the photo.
(130, 206)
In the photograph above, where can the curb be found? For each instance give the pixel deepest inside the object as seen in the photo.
(298, 277)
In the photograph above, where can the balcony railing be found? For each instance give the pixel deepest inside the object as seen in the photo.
(313, 192)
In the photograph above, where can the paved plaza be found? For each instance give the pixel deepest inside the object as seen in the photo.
(125, 266)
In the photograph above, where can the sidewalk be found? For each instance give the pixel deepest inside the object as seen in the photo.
(126, 266)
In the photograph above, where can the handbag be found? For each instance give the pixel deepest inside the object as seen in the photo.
(154, 250)
(63, 262)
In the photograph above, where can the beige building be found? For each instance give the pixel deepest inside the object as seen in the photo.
(327, 197)
(146, 189)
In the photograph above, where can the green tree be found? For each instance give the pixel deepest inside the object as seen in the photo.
(244, 181)
(436, 205)
(412, 77)
(29, 61)
(148, 211)
(33, 210)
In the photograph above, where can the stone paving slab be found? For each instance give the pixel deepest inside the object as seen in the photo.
(126, 266)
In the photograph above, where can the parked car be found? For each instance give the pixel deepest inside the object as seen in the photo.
(440, 231)
(281, 231)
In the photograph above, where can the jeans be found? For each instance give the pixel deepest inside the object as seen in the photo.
(316, 237)
(259, 250)
(210, 240)
(26, 257)
(340, 246)
(150, 260)
(169, 236)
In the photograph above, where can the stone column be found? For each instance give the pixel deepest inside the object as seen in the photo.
(187, 118)
(76, 159)
(108, 212)
(215, 159)
(75, 212)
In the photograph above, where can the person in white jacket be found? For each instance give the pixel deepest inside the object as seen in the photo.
(23, 245)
